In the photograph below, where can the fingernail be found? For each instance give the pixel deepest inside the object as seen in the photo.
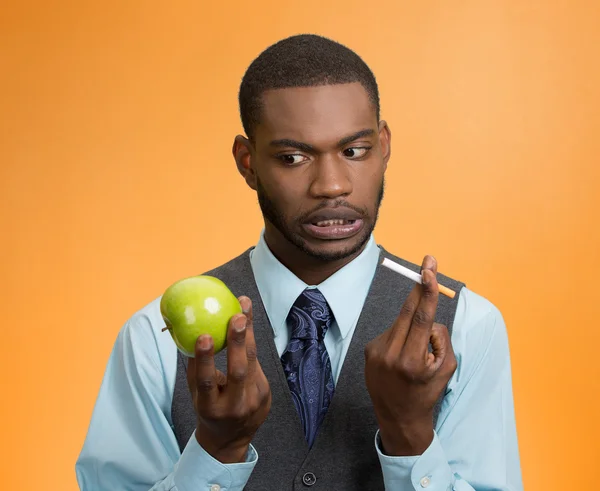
(205, 342)
(239, 324)
(425, 277)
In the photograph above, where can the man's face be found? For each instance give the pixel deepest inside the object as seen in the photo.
(319, 159)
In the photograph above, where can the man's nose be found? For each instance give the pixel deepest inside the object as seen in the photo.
(331, 178)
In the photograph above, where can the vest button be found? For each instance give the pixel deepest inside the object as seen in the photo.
(309, 479)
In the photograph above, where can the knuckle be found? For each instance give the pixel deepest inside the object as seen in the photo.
(204, 385)
(268, 395)
(263, 395)
(388, 362)
(239, 412)
(256, 403)
(266, 401)
(408, 308)
(407, 366)
(237, 374)
(373, 350)
(238, 339)
(411, 369)
(429, 292)
(251, 353)
(451, 363)
(253, 407)
(440, 328)
(421, 317)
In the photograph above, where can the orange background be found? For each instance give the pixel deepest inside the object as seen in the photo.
(117, 179)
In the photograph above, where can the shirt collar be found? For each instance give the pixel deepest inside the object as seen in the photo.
(345, 290)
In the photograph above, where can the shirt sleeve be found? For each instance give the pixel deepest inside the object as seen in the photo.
(130, 444)
(475, 441)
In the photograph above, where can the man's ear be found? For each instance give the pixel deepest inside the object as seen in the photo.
(242, 153)
(385, 140)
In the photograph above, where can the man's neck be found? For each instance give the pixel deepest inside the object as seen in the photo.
(310, 270)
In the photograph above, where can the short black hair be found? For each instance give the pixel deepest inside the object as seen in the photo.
(304, 60)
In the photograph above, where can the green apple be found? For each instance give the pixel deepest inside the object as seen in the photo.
(195, 306)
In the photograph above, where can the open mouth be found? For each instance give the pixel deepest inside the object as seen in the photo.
(334, 229)
(331, 223)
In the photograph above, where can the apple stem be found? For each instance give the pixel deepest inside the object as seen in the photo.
(165, 329)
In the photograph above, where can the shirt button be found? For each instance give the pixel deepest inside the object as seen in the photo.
(309, 479)
(425, 482)
(215, 487)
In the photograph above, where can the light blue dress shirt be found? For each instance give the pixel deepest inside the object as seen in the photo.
(130, 444)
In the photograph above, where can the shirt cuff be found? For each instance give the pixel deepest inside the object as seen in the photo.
(427, 471)
(198, 470)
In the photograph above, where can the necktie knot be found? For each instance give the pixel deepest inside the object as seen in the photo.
(310, 316)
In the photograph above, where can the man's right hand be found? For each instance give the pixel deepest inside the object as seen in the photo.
(230, 408)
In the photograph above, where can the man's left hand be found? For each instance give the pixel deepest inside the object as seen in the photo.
(404, 378)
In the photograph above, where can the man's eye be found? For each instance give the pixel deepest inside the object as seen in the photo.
(291, 159)
(356, 152)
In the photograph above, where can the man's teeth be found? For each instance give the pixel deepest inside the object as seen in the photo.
(329, 223)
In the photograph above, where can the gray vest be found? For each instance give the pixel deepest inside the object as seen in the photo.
(343, 456)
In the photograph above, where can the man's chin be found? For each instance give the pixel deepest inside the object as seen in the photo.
(334, 250)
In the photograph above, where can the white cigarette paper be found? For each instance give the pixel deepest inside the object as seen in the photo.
(409, 273)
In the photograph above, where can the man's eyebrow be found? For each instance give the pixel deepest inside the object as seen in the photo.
(305, 147)
(359, 134)
(286, 142)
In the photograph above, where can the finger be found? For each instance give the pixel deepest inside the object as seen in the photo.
(401, 326)
(191, 374)
(246, 305)
(442, 353)
(429, 262)
(417, 340)
(262, 384)
(251, 351)
(206, 374)
(237, 361)
(221, 379)
(438, 347)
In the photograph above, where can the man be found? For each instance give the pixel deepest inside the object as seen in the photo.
(339, 374)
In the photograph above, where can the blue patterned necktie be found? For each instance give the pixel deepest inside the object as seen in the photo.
(306, 362)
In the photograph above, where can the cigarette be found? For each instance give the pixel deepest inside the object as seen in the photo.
(410, 274)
